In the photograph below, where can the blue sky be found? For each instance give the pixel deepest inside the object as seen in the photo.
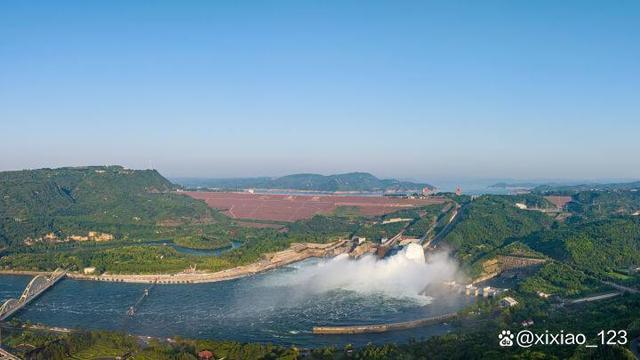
(421, 90)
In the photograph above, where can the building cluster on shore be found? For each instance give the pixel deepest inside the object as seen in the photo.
(473, 290)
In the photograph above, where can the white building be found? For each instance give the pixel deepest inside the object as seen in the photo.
(521, 206)
(395, 220)
(508, 302)
(543, 295)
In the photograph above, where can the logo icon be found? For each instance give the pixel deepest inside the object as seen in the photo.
(506, 338)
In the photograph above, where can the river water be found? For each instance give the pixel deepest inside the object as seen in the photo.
(260, 308)
(200, 252)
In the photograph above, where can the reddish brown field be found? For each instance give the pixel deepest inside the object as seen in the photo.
(297, 207)
(558, 201)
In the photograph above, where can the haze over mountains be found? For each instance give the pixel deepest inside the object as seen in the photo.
(355, 181)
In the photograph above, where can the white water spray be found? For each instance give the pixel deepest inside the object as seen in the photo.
(404, 274)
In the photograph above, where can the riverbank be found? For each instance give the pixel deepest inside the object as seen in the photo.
(297, 252)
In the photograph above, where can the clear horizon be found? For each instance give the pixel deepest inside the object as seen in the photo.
(409, 90)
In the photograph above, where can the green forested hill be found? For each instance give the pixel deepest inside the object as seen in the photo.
(66, 201)
(601, 204)
(599, 246)
(356, 181)
(343, 182)
(490, 221)
(107, 217)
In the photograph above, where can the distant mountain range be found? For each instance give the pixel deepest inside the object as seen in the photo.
(356, 181)
(523, 185)
(626, 186)
(568, 187)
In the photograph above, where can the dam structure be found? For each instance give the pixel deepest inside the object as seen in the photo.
(379, 328)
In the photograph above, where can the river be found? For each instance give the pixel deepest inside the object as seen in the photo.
(260, 308)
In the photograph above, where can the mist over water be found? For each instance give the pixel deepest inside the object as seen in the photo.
(403, 275)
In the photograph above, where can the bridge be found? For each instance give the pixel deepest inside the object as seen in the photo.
(133, 308)
(36, 286)
(5, 355)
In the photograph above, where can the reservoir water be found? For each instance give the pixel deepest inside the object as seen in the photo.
(261, 308)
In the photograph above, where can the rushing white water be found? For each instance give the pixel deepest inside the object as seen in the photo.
(404, 274)
(279, 306)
